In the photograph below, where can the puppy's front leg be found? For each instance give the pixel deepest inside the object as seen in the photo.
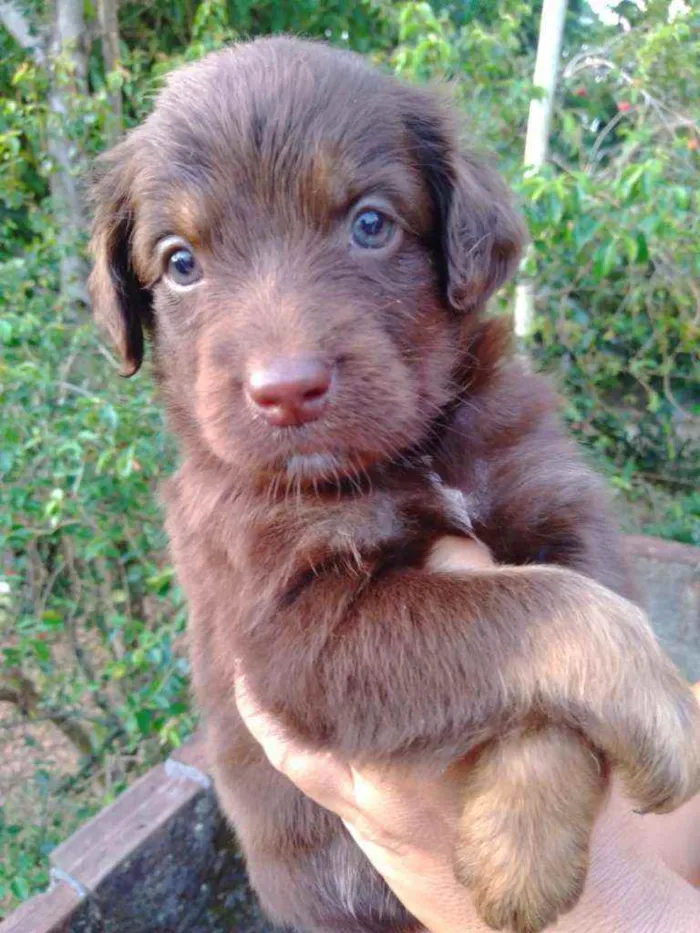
(530, 800)
(419, 664)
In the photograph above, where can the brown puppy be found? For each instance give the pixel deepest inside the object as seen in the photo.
(311, 252)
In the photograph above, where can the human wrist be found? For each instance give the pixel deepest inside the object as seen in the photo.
(629, 889)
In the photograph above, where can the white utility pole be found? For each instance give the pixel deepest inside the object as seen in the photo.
(538, 128)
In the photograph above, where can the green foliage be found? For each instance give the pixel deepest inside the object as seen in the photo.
(615, 230)
(90, 615)
(485, 65)
(23, 175)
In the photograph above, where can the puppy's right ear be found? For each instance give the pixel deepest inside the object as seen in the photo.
(120, 304)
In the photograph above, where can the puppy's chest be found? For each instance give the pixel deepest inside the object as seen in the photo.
(391, 526)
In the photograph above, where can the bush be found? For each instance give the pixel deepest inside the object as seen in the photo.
(90, 613)
(614, 223)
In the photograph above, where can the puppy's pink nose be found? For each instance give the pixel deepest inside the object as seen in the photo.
(290, 391)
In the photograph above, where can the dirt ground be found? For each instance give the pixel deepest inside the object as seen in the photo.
(27, 747)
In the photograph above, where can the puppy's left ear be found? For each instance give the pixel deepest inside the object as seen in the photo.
(481, 235)
(121, 305)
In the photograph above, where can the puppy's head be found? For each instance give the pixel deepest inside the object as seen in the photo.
(304, 241)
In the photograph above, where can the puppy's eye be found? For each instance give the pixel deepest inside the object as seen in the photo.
(182, 267)
(372, 230)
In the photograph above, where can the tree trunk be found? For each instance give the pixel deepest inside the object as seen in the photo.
(68, 70)
(109, 25)
(538, 128)
(63, 55)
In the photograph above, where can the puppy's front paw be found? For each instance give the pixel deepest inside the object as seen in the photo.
(662, 766)
(623, 692)
(530, 803)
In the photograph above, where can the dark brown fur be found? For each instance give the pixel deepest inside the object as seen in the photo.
(312, 572)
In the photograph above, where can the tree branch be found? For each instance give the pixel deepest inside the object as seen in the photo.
(18, 689)
(109, 22)
(17, 24)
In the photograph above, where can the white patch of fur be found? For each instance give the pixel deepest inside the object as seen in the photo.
(476, 501)
(350, 885)
(346, 879)
(455, 501)
(309, 466)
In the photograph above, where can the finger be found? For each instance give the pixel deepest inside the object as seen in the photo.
(319, 775)
(324, 779)
(260, 724)
(450, 554)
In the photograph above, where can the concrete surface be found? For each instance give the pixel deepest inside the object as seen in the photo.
(668, 577)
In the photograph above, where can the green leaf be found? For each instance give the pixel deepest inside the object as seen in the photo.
(610, 258)
(630, 177)
(52, 618)
(144, 721)
(20, 888)
(642, 248)
(41, 650)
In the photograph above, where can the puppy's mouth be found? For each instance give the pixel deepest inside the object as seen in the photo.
(316, 466)
(321, 470)
(323, 467)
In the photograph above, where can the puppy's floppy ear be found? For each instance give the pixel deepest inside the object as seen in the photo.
(481, 235)
(120, 305)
